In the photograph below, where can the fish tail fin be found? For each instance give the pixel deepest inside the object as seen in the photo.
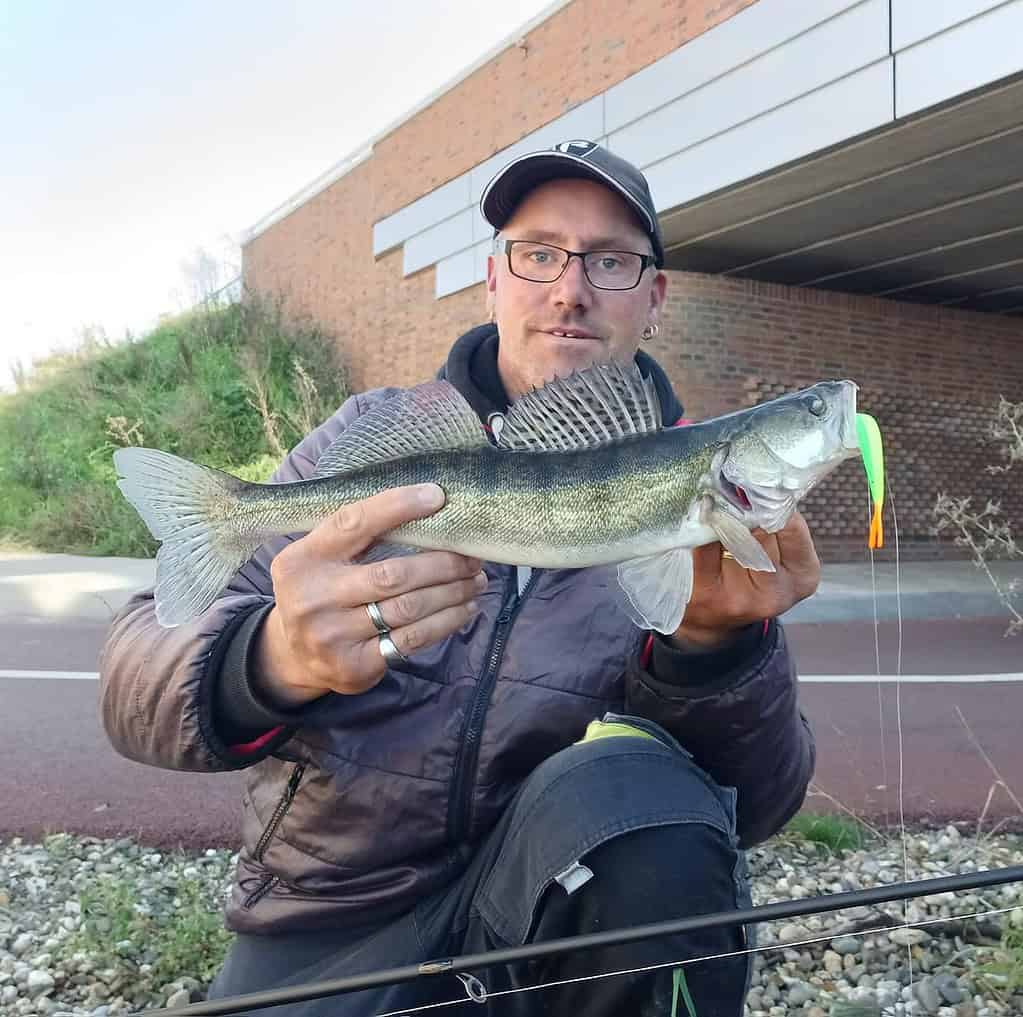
(189, 508)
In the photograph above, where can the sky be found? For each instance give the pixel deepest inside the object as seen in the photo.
(134, 135)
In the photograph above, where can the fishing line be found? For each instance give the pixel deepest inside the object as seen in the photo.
(898, 714)
(532, 951)
(477, 992)
(477, 997)
(877, 660)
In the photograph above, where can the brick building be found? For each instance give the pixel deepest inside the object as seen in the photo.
(840, 185)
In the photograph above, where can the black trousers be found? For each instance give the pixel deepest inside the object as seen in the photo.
(607, 834)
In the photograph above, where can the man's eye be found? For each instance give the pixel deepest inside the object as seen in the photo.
(539, 257)
(610, 263)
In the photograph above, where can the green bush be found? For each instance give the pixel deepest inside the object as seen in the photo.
(833, 833)
(232, 387)
(185, 937)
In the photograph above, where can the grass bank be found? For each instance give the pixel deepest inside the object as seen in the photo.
(232, 387)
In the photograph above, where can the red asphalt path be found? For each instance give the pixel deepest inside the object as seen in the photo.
(59, 772)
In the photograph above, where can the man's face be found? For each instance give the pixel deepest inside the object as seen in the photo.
(578, 215)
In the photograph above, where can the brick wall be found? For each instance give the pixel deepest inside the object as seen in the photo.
(930, 375)
(583, 49)
(320, 256)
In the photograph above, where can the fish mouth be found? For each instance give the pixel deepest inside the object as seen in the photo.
(849, 434)
(734, 494)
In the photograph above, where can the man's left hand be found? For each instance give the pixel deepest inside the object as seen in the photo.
(727, 597)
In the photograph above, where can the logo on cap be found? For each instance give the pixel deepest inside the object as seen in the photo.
(581, 149)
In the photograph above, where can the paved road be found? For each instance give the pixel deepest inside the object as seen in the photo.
(57, 770)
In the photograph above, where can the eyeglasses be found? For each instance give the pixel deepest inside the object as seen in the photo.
(604, 270)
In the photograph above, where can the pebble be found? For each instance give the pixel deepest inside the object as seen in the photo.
(948, 986)
(792, 933)
(800, 993)
(908, 937)
(927, 995)
(180, 998)
(44, 969)
(39, 982)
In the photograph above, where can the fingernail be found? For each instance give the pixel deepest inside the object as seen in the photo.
(472, 607)
(481, 581)
(431, 496)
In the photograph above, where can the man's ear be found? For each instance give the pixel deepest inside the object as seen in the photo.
(491, 288)
(658, 289)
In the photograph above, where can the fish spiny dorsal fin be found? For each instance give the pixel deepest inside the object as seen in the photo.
(596, 406)
(433, 417)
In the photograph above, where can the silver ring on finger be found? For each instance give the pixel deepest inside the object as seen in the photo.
(391, 654)
(375, 616)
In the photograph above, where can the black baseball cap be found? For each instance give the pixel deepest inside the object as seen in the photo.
(584, 159)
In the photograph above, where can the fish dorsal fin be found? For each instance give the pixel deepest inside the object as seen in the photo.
(598, 405)
(433, 417)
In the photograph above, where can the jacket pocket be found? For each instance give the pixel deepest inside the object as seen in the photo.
(280, 811)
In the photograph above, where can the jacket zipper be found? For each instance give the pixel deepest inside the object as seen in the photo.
(468, 756)
(280, 812)
(268, 882)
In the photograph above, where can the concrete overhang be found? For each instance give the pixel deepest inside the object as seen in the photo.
(929, 209)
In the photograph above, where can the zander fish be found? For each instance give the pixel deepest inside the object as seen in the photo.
(582, 474)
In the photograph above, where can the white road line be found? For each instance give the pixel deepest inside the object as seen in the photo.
(814, 679)
(909, 679)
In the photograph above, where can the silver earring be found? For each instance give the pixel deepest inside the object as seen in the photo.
(649, 332)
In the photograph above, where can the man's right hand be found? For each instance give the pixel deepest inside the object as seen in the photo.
(318, 637)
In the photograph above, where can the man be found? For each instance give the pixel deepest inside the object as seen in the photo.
(425, 775)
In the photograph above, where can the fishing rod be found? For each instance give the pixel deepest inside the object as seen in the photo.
(492, 958)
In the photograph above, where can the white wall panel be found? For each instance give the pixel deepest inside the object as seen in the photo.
(455, 273)
(839, 46)
(481, 229)
(746, 35)
(448, 237)
(915, 20)
(790, 132)
(972, 54)
(461, 270)
(775, 83)
(432, 208)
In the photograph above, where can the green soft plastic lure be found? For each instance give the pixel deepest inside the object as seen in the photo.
(869, 435)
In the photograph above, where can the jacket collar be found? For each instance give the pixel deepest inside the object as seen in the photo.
(472, 368)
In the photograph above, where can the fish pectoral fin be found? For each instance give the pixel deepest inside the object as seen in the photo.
(735, 538)
(658, 587)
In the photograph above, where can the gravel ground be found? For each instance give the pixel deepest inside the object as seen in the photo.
(107, 927)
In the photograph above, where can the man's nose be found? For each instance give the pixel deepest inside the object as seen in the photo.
(573, 288)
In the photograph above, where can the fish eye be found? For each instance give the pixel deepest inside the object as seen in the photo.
(816, 405)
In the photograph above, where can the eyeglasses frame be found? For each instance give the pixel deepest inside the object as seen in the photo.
(646, 261)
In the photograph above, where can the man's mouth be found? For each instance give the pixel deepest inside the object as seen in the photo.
(570, 333)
